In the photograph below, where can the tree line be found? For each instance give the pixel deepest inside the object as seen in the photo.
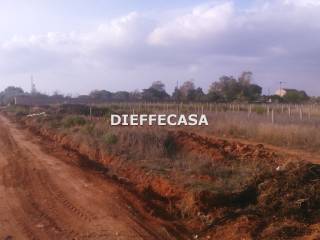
(226, 89)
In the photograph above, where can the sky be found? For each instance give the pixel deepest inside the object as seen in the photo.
(77, 46)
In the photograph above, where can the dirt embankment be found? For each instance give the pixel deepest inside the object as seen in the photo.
(224, 190)
(43, 196)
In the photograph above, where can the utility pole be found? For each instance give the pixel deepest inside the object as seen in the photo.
(281, 87)
(33, 86)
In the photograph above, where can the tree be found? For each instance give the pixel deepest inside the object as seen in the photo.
(245, 78)
(9, 93)
(101, 95)
(213, 96)
(249, 91)
(121, 96)
(135, 95)
(158, 86)
(196, 95)
(252, 92)
(186, 87)
(177, 95)
(295, 96)
(230, 89)
(227, 87)
(155, 93)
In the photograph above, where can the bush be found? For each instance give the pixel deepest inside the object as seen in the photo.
(71, 121)
(110, 138)
(170, 145)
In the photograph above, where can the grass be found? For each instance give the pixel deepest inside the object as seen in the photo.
(110, 138)
(71, 121)
(294, 134)
(210, 186)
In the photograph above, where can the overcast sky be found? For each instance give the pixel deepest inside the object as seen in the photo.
(76, 46)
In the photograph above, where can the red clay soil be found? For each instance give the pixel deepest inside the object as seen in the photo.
(45, 197)
(222, 150)
(279, 202)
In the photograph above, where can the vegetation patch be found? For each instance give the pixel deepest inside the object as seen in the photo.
(72, 121)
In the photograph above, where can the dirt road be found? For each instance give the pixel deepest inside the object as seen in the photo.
(44, 197)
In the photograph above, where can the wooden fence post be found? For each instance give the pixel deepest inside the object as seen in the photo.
(289, 111)
(249, 111)
(309, 113)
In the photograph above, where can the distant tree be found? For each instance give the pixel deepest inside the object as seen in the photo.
(121, 96)
(158, 86)
(229, 89)
(57, 94)
(245, 78)
(177, 95)
(13, 91)
(135, 95)
(186, 88)
(101, 95)
(196, 95)
(213, 96)
(9, 93)
(155, 93)
(295, 96)
(249, 91)
(252, 92)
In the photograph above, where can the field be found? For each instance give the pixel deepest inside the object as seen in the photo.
(253, 173)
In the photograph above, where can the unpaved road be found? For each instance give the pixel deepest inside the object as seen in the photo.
(44, 197)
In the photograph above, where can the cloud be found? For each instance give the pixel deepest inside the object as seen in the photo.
(302, 3)
(278, 40)
(205, 21)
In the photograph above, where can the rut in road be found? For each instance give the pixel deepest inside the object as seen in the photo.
(42, 197)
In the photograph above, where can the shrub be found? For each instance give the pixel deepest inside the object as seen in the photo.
(170, 145)
(71, 121)
(110, 138)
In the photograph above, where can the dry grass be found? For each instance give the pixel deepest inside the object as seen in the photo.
(216, 190)
(295, 134)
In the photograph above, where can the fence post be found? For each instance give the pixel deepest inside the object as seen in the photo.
(289, 111)
(272, 116)
(249, 111)
(309, 113)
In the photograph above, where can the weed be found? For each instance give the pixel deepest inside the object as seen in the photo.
(110, 138)
(71, 121)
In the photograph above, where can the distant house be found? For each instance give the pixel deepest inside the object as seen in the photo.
(292, 95)
(282, 92)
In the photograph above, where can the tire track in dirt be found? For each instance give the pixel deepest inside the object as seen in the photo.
(29, 191)
(45, 198)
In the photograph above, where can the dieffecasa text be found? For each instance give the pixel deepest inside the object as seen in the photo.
(159, 119)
